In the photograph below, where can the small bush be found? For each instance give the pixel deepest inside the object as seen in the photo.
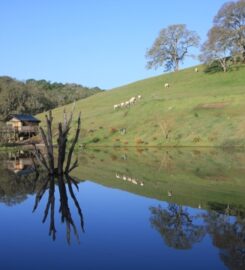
(125, 114)
(100, 127)
(139, 141)
(113, 157)
(196, 139)
(95, 139)
(113, 130)
(212, 138)
(154, 138)
(214, 67)
(117, 140)
(178, 137)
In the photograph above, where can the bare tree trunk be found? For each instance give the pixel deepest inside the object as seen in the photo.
(63, 132)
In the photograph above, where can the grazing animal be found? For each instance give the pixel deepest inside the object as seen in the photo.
(139, 97)
(170, 194)
(122, 131)
(117, 176)
(116, 106)
(132, 100)
(142, 184)
(122, 105)
(166, 85)
(134, 181)
(196, 69)
(127, 103)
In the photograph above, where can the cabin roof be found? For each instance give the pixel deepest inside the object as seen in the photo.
(23, 117)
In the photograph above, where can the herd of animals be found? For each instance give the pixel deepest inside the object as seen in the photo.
(130, 179)
(135, 181)
(133, 100)
(127, 103)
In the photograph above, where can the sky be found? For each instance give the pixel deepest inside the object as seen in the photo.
(92, 42)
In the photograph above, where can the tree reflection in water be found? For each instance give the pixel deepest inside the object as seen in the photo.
(63, 181)
(228, 234)
(176, 226)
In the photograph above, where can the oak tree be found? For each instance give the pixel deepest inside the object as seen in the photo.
(171, 47)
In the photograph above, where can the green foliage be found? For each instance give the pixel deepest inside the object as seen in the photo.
(213, 67)
(226, 38)
(95, 139)
(35, 96)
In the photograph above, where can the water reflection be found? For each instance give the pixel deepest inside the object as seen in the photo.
(176, 226)
(181, 230)
(18, 177)
(200, 204)
(22, 176)
(20, 162)
(63, 182)
(228, 234)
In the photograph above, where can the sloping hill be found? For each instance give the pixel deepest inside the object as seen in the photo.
(197, 109)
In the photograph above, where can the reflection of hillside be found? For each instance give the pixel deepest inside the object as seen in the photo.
(194, 177)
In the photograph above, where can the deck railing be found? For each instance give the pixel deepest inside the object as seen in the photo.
(23, 129)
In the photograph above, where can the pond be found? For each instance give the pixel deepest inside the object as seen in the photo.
(125, 208)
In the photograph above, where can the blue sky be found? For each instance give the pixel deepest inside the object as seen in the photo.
(91, 42)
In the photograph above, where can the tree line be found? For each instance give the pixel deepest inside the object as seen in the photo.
(224, 47)
(36, 96)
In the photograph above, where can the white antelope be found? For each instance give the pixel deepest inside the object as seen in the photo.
(166, 85)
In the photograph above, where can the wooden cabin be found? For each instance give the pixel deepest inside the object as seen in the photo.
(20, 127)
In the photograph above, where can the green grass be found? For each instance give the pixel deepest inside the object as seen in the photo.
(200, 110)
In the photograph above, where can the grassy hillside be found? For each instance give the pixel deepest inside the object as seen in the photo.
(198, 109)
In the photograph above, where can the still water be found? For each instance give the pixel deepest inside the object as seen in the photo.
(131, 209)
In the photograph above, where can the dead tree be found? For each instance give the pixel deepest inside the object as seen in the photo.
(63, 132)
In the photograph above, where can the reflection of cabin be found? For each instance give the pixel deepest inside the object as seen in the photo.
(20, 127)
(20, 163)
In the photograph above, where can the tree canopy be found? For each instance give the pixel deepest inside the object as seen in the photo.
(231, 19)
(171, 47)
(226, 39)
(35, 96)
